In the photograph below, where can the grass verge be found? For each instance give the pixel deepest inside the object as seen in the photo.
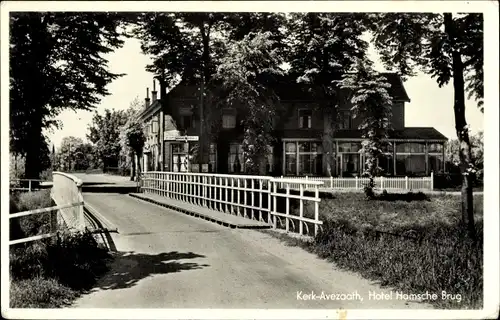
(50, 273)
(413, 246)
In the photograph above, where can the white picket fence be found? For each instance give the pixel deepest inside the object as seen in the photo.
(247, 196)
(388, 183)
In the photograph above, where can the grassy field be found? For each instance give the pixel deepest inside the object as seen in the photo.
(52, 272)
(412, 243)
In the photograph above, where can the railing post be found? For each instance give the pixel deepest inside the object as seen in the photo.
(287, 206)
(245, 198)
(381, 182)
(301, 208)
(316, 210)
(406, 182)
(252, 198)
(260, 200)
(274, 203)
(331, 182)
(269, 191)
(29, 185)
(357, 183)
(432, 180)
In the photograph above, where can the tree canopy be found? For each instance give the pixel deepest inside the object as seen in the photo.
(56, 63)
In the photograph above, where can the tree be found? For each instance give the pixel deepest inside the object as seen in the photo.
(449, 48)
(247, 74)
(373, 104)
(56, 63)
(135, 135)
(75, 154)
(126, 151)
(189, 46)
(104, 133)
(324, 47)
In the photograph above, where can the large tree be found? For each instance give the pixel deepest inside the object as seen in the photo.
(324, 47)
(127, 152)
(104, 133)
(247, 75)
(372, 103)
(190, 46)
(449, 47)
(56, 63)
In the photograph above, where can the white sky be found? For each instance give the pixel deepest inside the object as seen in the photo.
(430, 105)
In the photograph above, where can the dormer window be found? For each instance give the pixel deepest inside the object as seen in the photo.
(305, 118)
(344, 120)
(228, 119)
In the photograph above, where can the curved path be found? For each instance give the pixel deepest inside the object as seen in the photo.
(167, 259)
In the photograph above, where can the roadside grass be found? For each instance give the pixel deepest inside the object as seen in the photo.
(410, 245)
(50, 273)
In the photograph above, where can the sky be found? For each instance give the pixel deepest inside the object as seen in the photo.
(430, 105)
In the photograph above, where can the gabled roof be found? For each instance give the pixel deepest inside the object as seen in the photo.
(288, 89)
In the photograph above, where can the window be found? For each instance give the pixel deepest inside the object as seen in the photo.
(305, 118)
(213, 158)
(344, 120)
(310, 158)
(349, 147)
(228, 118)
(435, 147)
(236, 163)
(228, 121)
(410, 147)
(436, 161)
(410, 158)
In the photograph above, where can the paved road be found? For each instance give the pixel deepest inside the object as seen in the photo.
(170, 260)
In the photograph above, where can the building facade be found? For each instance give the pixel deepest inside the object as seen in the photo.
(303, 137)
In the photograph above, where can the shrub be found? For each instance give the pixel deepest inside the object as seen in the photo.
(33, 224)
(74, 260)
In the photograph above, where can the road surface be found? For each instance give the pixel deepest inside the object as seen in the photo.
(167, 259)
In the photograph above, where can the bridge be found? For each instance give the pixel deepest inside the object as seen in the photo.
(188, 241)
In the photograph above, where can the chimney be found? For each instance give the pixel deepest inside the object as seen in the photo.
(154, 92)
(146, 101)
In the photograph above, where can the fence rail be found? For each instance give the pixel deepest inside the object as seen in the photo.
(252, 197)
(67, 194)
(388, 183)
(26, 184)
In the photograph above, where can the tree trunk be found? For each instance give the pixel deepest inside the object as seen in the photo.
(465, 152)
(132, 166)
(204, 141)
(138, 172)
(32, 167)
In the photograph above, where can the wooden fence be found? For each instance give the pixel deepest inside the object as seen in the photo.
(251, 197)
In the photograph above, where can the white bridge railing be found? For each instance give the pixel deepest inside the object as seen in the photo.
(66, 190)
(388, 183)
(253, 197)
(66, 193)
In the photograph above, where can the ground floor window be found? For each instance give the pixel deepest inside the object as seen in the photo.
(410, 164)
(237, 159)
(213, 158)
(303, 158)
(436, 163)
(236, 163)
